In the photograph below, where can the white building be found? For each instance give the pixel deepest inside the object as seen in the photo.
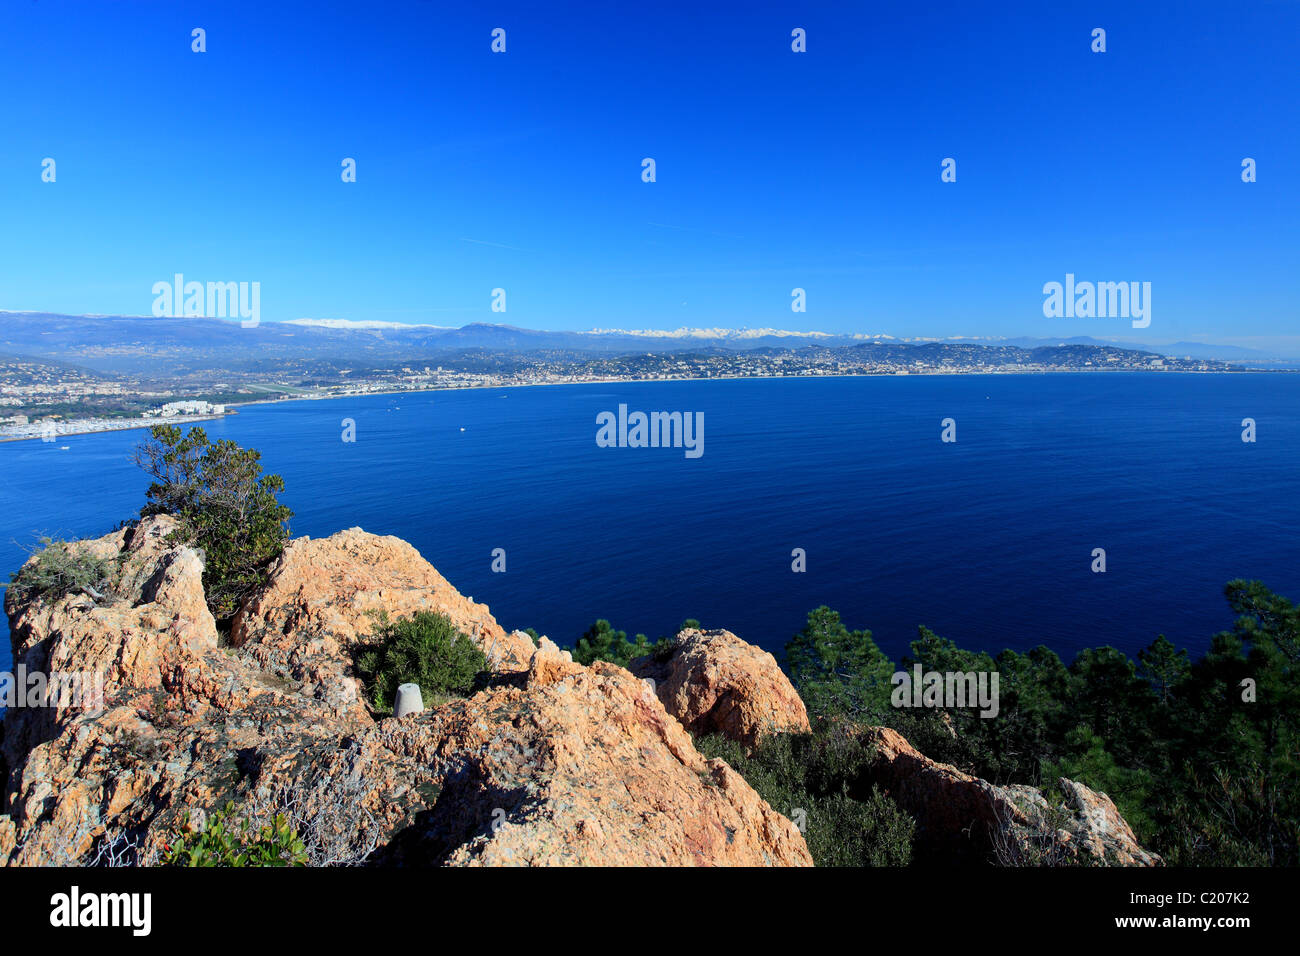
(190, 408)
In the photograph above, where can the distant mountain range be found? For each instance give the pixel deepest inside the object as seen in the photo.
(744, 338)
(145, 345)
(1198, 350)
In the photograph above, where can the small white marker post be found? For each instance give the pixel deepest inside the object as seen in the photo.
(408, 700)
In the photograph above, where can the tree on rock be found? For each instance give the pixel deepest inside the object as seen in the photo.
(225, 506)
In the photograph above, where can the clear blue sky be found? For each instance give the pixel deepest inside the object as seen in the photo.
(775, 169)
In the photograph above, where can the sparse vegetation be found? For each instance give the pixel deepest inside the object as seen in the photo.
(59, 569)
(226, 841)
(329, 812)
(818, 780)
(1041, 845)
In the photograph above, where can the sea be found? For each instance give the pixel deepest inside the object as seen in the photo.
(808, 492)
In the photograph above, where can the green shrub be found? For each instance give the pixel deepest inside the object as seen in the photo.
(663, 649)
(58, 570)
(426, 649)
(225, 842)
(872, 831)
(818, 780)
(226, 507)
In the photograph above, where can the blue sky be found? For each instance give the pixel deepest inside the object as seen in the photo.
(775, 170)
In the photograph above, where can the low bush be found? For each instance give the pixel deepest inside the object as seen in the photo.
(425, 649)
(818, 781)
(227, 842)
(59, 570)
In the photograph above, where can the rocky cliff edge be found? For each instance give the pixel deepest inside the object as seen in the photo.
(550, 763)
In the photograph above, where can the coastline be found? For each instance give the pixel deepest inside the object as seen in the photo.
(134, 424)
(737, 378)
(142, 423)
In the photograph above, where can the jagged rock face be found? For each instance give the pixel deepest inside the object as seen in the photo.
(553, 763)
(331, 588)
(713, 682)
(156, 622)
(584, 771)
(961, 818)
(1100, 831)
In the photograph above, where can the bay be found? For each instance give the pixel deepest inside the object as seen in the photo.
(988, 540)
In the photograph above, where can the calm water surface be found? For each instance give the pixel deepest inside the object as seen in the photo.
(987, 541)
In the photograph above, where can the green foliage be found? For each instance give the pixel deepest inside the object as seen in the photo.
(663, 648)
(1035, 691)
(1204, 775)
(1232, 796)
(60, 569)
(227, 842)
(1224, 819)
(425, 649)
(1087, 761)
(1164, 667)
(602, 643)
(838, 671)
(1111, 699)
(226, 506)
(818, 780)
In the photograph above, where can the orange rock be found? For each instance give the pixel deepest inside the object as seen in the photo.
(963, 818)
(713, 682)
(334, 586)
(554, 763)
(583, 766)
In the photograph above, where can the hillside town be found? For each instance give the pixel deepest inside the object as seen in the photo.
(45, 400)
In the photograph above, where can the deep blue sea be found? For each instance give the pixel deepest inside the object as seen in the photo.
(987, 541)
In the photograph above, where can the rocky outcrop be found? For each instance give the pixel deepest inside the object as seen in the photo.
(963, 818)
(153, 626)
(335, 587)
(1098, 830)
(551, 763)
(589, 769)
(713, 682)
